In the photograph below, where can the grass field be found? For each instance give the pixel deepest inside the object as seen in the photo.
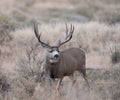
(97, 31)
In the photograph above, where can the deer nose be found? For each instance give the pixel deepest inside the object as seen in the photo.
(56, 56)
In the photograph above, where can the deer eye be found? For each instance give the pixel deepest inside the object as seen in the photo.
(50, 50)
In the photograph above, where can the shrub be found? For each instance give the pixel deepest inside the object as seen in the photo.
(110, 17)
(29, 69)
(115, 57)
(4, 85)
(29, 65)
(5, 27)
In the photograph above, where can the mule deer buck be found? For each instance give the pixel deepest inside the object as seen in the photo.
(63, 63)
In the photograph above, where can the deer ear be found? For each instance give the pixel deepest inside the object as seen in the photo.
(45, 46)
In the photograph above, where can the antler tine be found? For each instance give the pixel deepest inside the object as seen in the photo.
(66, 30)
(70, 33)
(39, 35)
(37, 32)
(72, 29)
(69, 36)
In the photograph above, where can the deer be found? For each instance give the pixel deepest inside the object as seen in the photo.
(59, 64)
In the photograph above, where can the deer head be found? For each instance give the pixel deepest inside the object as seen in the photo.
(53, 53)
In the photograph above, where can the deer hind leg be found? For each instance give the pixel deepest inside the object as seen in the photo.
(83, 71)
(73, 79)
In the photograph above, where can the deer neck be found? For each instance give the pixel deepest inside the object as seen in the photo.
(52, 64)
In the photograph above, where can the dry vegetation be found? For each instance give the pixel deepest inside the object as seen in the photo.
(97, 31)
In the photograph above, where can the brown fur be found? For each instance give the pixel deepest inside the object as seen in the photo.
(71, 60)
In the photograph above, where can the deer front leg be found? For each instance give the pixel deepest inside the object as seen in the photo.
(58, 85)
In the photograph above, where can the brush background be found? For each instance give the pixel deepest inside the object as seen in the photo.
(97, 31)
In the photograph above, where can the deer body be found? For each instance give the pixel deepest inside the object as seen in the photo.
(71, 60)
(63, 63)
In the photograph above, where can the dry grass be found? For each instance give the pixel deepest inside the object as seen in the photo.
(97, 31)
(95, 38)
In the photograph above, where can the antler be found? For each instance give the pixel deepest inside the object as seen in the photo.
(39, 35)
(68, 34)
